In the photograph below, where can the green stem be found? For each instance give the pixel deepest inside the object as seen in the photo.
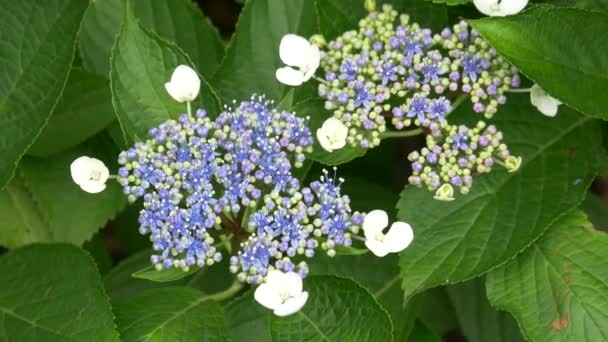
(522, 90)
(189, 108)
(459, 100)
(227, 293)
(401, 134)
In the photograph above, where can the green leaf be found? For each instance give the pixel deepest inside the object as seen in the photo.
(183, 23)
(32, 208)
(478, 320)
(32, 82)
(84, 109)
(596, 5)
(318, 114)
(164, 275)
(141, 65)
(435, 309)
(100, 26)
(423, 333)
(378, 275)
(427, 14)
(558, 47)
(558, 288)
(53, 293)
(171, 314)
(504, 212)
(22, 223)
(178, 21)
(248, 320)
(337, 309)
(253, 54)
(120, 285)
(98, 249)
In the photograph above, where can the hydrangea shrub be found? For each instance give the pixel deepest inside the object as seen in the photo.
(327, 170)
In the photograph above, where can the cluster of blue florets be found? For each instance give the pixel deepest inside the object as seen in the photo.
(391, 70)
(288, 227)
(455, 157)
(200, 177)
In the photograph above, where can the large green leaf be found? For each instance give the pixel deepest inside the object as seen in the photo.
(31, 81)
(178, 21)
(100, 26)
(558, 288)
(561, 48)
(451, 2)
(504, 212)
(338, 309)
(253, 55)
(378, 275)
(141, 65)
(171, 314)
(85, 108)
(44, 204)
(597, 210)
(53, 293)
(314, 110)
(423, 333)
(183, 23)
(478, 320)
(165, 275)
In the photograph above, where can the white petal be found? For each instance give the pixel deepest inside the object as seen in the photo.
(93, 187)
(379, 248)
(268, 296)
(375, 221)
(290, 76)
(511, 7)
(335, 127)
(324, 140)
(184, 85)
(314, 60)
(399, 237)
(295, 50)
(79, 169)
(292, 305)
(500, 9)
(291, 283)
(545, 103)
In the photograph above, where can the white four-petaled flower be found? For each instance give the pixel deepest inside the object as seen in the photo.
(302, 58)
(332, 134)
(398, 237)
(184, 85)
(545, 103)
(282, 293)
(90, 174)
(500, 8)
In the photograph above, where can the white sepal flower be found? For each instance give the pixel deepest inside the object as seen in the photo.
(332, 134)
(302, 58)
(398, 237)
(444, 193)
(282, 293)
(545, 103)
(90, 174)
(500, 8)
(184, 85)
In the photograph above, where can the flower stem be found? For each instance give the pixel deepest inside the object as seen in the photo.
(227, 293)
(459, 100)
(189, 108)
(401, 134)
(522, 90)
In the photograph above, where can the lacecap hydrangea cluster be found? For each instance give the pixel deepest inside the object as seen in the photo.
(200, 177)
(393, 71)
(393, 74)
